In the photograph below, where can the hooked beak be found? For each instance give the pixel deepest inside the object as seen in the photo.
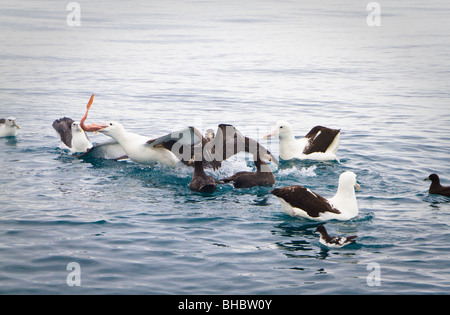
(357, 186)
(15, 124)
(101, 127)
(425, 179)
(270, 135)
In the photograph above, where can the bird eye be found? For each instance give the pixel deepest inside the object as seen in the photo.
(110, 124)
(281, 127)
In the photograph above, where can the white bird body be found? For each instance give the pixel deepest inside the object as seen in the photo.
(73, 138)
(136, 147)
(80, 142)
(292, 148)
(299, 201)
(8, 127)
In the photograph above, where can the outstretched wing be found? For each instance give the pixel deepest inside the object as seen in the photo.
(63, 128)
(229, 141)
(320, 138)
(185, 137)
(184, 143)
(303, 198)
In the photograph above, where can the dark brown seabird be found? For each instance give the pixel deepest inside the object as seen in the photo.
(333, 241)
(436, 187)
(262, 177)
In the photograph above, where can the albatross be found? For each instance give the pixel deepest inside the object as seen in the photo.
(187, 145)
(320, 143)
(72, 136)
(299, 201)
(135, 146)
(8, 127)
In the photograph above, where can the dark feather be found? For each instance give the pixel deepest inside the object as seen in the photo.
(436, 187)
(320, 138)
(302, 198)
(189, 144)
(201, 182)
(63, 128)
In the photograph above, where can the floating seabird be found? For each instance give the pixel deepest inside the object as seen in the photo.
(72, 136)
(299, 201)
(320, 143)
(8, 127)
(333, 241)
(134, 145)
(179, 145)
(189, 142)
(228, 141)
(201, 182)
(262, 177)
(436, 187)
(75, 139)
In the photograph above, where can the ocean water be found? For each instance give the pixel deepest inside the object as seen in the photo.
(158, 66)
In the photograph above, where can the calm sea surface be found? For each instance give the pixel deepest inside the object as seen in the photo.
(158, 66)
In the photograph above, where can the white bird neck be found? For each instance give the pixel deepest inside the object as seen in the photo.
(287, 141)
(346, 191)
(120, 135)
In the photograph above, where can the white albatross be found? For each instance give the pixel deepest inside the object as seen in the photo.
(299, 201)
(136, 146)
(73, 138)
(8, 127)
(320, 143)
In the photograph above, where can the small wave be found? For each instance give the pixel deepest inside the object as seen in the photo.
(297, 172)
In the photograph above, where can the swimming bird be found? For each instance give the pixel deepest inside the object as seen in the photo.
(213, 149)
(179, 145)
(436, 187)
(8, 127)
(75, 139)
(136, 146)
(299, 201)
(333, 241)
(201, 182)
(72, 136)
(210, 151)
(263, 176)
(320, 143)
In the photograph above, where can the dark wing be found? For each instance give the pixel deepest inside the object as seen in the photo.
(2, 121)
(183, 143)
(320, 139)
(303, 198)
(63, 127)
(229, 141)
(185, 137)
(110, 150)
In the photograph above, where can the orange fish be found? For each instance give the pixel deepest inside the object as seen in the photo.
(90, 127)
